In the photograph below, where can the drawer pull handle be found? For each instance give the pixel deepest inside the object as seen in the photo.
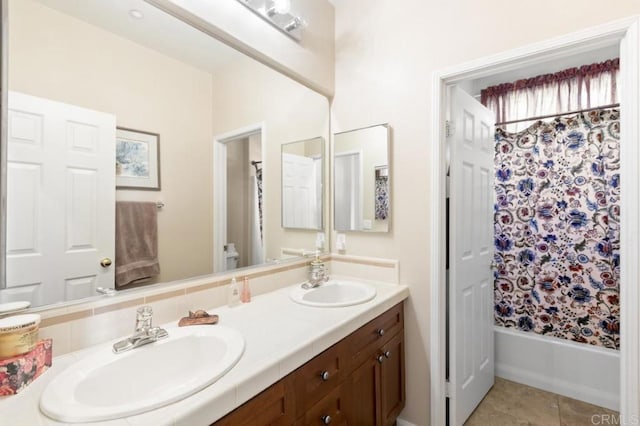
(381, 332)
(326, 419)
(387, 354)
(380, 359)
(324, 375)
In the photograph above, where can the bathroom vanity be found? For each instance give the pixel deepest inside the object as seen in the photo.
(359, 380)
(300, 365)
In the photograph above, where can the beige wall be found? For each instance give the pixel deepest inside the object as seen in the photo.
(58, 57)
(249, 93)
(386, 53)
(311, 60)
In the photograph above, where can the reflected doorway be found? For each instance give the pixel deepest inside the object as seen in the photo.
(238, 199)
(244, 202)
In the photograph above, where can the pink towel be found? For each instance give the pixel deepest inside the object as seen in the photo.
(136, 242)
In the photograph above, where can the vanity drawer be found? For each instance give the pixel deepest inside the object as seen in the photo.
(274, 406)
(373, 334)
(319, 376)
(329, 410)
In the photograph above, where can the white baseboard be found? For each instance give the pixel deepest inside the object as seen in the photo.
(400, 422)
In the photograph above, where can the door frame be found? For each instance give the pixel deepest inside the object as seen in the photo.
(220, 186)
(626, 34)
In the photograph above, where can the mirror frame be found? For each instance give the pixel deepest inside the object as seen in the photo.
(217, 34)
(333, 179)
(4, 101)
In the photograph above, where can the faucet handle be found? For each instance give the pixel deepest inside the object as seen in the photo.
(144, 312)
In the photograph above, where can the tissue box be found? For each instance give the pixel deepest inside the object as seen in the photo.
(17, 372)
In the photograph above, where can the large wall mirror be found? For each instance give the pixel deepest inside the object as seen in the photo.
(303, 184)
(361, 179)
(117, 103)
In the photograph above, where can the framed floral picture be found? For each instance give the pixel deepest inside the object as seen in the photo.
(137, 159)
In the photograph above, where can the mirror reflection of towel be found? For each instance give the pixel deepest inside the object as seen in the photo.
(136, 242)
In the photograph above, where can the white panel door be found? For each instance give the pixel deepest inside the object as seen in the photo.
(347, 191)
(471, 351)
(298, 192)
(61, 200)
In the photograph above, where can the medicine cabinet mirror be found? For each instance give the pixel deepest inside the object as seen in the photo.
(302, 184)
(361, 179)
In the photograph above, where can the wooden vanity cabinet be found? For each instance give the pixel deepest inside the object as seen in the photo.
(358, 381)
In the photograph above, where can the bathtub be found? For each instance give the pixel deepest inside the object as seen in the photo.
(575, 370)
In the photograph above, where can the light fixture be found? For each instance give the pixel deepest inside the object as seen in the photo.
(136, 14)
(278, 13)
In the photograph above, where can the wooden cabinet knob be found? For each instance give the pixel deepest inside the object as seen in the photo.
(326, 419)
(324, 375)
(381, 332)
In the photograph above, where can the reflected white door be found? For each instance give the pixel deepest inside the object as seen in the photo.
(299, 208)
(471, 351)
(348, 191)
(60, 200)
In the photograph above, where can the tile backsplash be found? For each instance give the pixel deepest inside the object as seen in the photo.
(82, 325)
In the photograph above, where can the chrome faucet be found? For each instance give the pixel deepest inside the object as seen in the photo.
(317, 273)
(143, 334)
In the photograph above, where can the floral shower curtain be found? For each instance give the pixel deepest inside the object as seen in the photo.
(557, 234)
(259, 188)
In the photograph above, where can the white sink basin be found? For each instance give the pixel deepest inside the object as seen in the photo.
(105, 386)
(334, 294)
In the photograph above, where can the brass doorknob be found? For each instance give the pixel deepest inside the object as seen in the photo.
(106, 262)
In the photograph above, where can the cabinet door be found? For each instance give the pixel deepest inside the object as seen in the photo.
(274, 406)
(392, 393)
(364, 399)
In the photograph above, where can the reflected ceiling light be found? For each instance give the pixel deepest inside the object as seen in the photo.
(278, 13)
(136, 14)
(294, 24)
(282, 6)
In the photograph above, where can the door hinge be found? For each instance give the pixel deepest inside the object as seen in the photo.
(449, 128)
(448, 389)
(447, 186)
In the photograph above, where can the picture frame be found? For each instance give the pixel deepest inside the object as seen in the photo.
(137, 159)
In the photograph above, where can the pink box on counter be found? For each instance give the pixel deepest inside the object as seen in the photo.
(16, 373)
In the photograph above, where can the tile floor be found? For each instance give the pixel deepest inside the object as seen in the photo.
(509, 403)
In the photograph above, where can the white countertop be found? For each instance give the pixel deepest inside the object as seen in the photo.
(280, 336)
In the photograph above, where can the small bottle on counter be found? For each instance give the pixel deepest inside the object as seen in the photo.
(233, 293)
(245, 295)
